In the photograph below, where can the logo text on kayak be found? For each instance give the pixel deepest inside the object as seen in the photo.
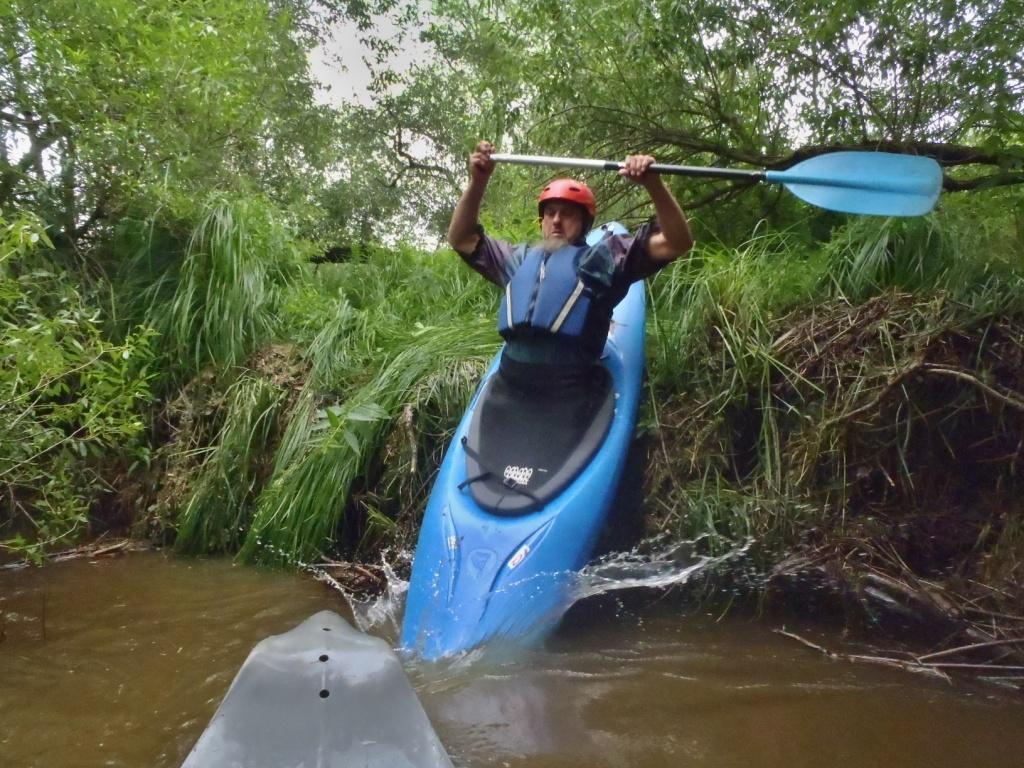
(518, 475)
(519, 556)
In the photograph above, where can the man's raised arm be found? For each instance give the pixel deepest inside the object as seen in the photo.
(674, 239)
(463, 233)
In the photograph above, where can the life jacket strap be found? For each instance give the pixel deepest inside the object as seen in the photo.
(567, 307)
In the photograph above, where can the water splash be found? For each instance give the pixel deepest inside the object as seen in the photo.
(656, 563)
(380, 614)
(383, 614)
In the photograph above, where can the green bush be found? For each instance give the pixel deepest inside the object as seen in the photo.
(72, 403)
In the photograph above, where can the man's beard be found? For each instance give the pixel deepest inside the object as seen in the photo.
(552, 244)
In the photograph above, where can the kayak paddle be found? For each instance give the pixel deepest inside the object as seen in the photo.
(876, 183)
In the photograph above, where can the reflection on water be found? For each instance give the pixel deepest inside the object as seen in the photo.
(122, 663)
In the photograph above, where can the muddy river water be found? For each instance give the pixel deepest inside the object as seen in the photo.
(121, 662)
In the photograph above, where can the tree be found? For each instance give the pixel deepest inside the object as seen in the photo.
(744, 82)
(114, 103)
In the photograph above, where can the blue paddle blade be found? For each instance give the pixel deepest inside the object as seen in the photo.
(874, 183)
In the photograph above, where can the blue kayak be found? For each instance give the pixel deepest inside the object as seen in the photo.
(523, 492)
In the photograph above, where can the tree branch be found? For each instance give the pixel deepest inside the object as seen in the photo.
(98, 214)
(946, 154)
(726, 192)
(413, 164)
(32, 158)
(28, 122)
(985, 182)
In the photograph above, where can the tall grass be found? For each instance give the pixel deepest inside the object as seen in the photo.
(217, 301)
(956, 250)
(404, 319)
(728, 297)
(379, 335)
(305, 501)
(218, 514)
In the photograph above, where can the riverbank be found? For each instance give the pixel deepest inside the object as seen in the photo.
(853, 407)
(877, 461)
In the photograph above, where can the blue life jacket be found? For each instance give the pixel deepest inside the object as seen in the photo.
(547, 293)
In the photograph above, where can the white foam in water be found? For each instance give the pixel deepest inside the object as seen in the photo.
(384, 612)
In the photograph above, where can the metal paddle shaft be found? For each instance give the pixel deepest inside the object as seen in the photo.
(874, 183)
(611, 165)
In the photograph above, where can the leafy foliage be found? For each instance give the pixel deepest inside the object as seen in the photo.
(112, 106)
(744, 82)
(72, 404)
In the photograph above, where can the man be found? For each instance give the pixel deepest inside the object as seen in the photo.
(560, 293)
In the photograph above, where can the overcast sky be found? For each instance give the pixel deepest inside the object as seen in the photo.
(338, 64)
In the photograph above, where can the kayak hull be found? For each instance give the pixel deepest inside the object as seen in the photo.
(478, 576)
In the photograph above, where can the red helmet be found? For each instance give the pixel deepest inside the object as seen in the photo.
(570, 190)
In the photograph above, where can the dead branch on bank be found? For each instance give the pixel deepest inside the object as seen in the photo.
(972, 647)
(920, 664)
(357, 579)
(888, 661)
(100, 547)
